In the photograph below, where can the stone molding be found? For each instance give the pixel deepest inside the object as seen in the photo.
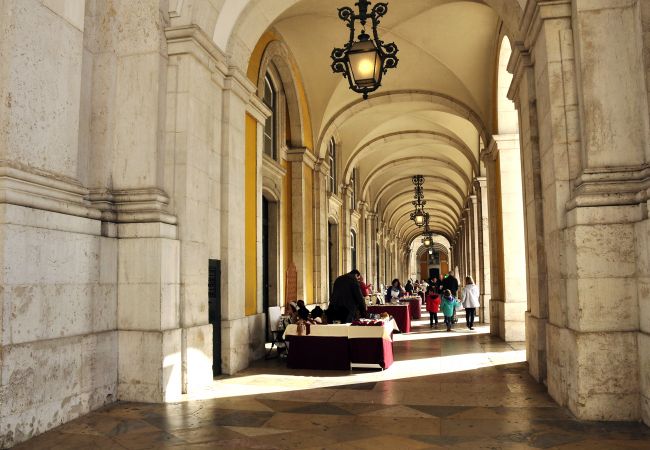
(192, 40)
(137, 205)
(238, 83)
(24, 186)
(272, 176)
(537, 12)
(256, 108)
(322, 165)
(301, 154)
(616, 186)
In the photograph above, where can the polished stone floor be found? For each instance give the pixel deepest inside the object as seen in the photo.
(462, 389)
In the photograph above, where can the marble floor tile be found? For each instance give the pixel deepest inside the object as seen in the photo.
(458, 390)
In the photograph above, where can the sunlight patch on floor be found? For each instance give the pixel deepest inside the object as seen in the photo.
(267, 383)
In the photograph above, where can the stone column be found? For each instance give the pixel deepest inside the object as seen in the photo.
(346, 196)
(595, 234)
(234, 326)
(509, 305)
(474, 239)
(362, 254)
(59, 276)
(194, 98)
(484, 248)
(321, 205)
(524, 96)
(371, 245)
(302, 161)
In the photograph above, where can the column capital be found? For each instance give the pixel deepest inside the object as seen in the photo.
(322, 165)
(301, 154)
(480, 182)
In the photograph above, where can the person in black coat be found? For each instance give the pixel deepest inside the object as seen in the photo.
(346, 301)
(450, 282)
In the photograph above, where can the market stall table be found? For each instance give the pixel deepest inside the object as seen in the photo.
(372, 344)
(325, 348)
(416, 303)
(400, 312)
(339, 346)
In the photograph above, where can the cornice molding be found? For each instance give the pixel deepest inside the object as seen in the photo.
(24, 186)
(32, 188)
(192, 40)
(301, 154)
(132, 205)
(258, 109)
(616, 186)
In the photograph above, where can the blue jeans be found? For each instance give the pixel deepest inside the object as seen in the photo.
(448, 321)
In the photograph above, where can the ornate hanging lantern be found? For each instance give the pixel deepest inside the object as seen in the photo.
(365, 60)
(419, 216)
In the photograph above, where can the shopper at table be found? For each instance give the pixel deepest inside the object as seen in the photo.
(293, 312)
(395, 291)
(433, 305)
(408, 287)
(346, 302)
(303, 312)
(470, 296)
(448, 306)
(316, 315)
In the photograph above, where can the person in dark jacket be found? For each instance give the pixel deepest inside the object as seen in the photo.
(408, 287)
(346, 301)
(450, 282)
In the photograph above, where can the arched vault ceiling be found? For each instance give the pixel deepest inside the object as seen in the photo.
(438, 204)
(397, 187)
(412, 142)
(432, 167)
(445, 46)
(428, 117)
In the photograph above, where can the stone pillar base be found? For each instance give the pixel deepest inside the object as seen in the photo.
(197, 358)
(596, 375)
(536, 346)
(508, 320)
(484, 310)
(242, 341)
(149, 366)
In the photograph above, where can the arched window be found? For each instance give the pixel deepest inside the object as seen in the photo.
(353, 248)
(270, 100)
(331, 154)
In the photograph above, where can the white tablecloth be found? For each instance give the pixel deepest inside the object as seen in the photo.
(347, 330)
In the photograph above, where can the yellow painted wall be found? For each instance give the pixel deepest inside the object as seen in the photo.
(309, 234)
(251, 215)
(253, 74)
(286, 226)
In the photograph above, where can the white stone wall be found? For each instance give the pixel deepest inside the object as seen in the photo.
(58, 305)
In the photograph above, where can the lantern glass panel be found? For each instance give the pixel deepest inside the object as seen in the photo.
(427, 241)
(365, 63)
(419, 219)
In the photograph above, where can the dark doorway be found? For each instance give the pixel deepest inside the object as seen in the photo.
(214, 312)
(434, 273)
(265, 261)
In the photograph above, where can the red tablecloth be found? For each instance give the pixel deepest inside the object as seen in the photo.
(401, 313)
(371, 351)
(336, 347)
(318, 353)
(416, 310)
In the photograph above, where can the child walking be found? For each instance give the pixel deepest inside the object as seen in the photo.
(448, 305)
(433, 304)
